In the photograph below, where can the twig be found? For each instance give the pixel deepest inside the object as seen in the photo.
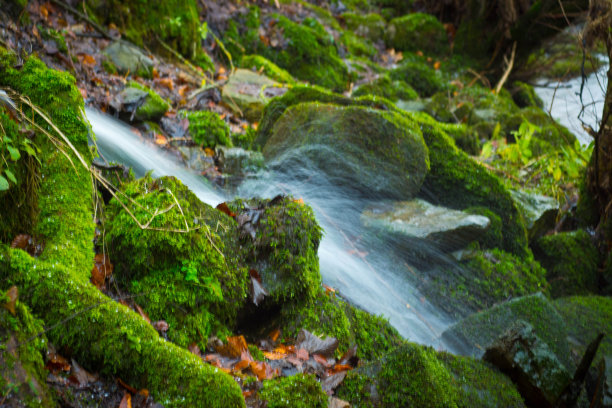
(84, 17)
(509, 67)
(180, 57)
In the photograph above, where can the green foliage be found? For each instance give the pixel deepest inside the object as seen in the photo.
(571, 261)
(208, 129)
(297, 391)
(13, 147)
(270, 69)
(417, 32)
(524, 95)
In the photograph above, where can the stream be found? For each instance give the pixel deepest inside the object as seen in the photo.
(365, 270)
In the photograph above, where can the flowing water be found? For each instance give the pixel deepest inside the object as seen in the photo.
(365, 270)
(564, 102)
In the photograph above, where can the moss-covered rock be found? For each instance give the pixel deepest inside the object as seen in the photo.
(475, 333)
(386, 88)
(493, 237)
(373, 152)
(183, 263)
(125, 58)
(296, 391)
(457, 181)
(329, 315)
(270, 69)
(207, 129)
(417, 73)
(153, 107)
(301, 94)
(417, 32)
(524, 95)
(482, 279)
(22, 347)
(357, 46)
(247, 92)
(371, 26)
(571, 261)
(284, 247)
(306, 50)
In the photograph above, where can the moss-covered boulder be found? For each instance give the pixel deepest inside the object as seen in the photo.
(373, 152)
(125, 58)
(151, 106)
(207, 129)
(571, 261)
(417, 32)
(457, 181)
(475, 333)
(371, 26)
(482, 279)
(22, 347)
(296, 391)
(418, 376)
(183, 262)
(524, 95)
(386, 88)
(267, 67)
(280, 239)
(416, 72)
(304, 49)
(539, 212)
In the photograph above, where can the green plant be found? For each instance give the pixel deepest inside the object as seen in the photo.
(13, 145)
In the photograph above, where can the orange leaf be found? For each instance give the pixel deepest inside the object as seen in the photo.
(126, 401)
(255, 125)
(241, 365)
(44, 11)
(167, 82)
(221, 71)
(126, 386)
(234, 347)
(142, 313)
(209, 152)
(225, 209)
(182, 91)
(341, 367)
(437, 65)
(299, 201)
(12, 295)
(160, 139)
(88, 60)
(329, 289)
(155, 73)
(271, 355)
(247, 393)
(261, 370)
(222, 116)
(321, 360)
(302, 354)
(102, 269)
(274, 334)
(194, 349)
(285, 349)
(419, 53)
(56, 363)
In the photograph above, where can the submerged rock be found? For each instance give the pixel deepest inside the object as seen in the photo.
(128, 58)
(378, 154)
(419, 220)
(533, 367)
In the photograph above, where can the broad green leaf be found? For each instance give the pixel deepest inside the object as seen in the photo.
(15, 155)
(10, 175)
(4, 185)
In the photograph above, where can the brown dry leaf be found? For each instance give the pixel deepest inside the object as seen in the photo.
(341, 367)
(241, 365)
(155, 73)
(144, 392)
(88, 60)
(102, 269)
(302, 354)
(437, 65)
(234, 347)
(225, 209)
(166, 82)
(44, 11)
(142, 313)
(126, 401)
(161, 326)
(321, 360)
(262, 370)
(332, 381)
(194, 349)
(21, 241)
(209, 152)
(314, 344)
(13, 295)
(334, 402)
(160, 139)
(274, 334)
(271, 355)
(83, 93)
(284, 349)
(81, 377)
(350, 357)
(56, 363)
(126, 386)
(182, 90)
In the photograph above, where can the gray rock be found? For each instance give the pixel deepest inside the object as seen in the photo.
(237, 161)
(196, 159)
(539, 212)
(447, 229)
(375, 153)
(533, 367)
(128, 58)
(247, 92)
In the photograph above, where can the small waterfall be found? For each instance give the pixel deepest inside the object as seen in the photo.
(375, 281)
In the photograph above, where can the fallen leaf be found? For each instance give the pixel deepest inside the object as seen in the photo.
(88, 60)
(80, 377)
(334, 402)
(272, 355)
(234, 347)
(12, 294)
(225, 209)
(126, 401)
(166, 82)
(56, 363)
(350, 357)
(274, 334)
(142, 313)
(21, 241)
(437, 65)
(329, 289)
(221, 71)
(102, 269)
(314, 344)
(209, 152)
(44, 11)
(341, 367)
(331, 382)
(262, 370)
(241, 365)
(247, 393)
(160, 139)
(155, 73)
(161, 326)
(302, 354)
(194, 349)
(419, 53)
(321, 360)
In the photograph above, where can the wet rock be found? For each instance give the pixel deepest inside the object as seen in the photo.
(374, 153)
(237, 161)
(196, 159)
(140, 103)
(128, 58)
(539, 212)
(247, 92)
(419, 220)
(539, 375)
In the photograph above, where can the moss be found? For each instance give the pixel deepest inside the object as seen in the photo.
(457, 181)
(550, 135)
(208, 129)
(109, 67)
(371, 26)
(284, 250)
(357, 46)
(306, 50)
(175, 22)
(270, 69)
(417, 32)
(64, 224)
(191, 279)
(297, 391)
(571, 261)
(52, 34)
(494, 276)
(418, 74)
(475, 333)
(106, 336)
(410, 376)
(154, 106)
(524, 95)
(22, 347)
(301, 94)
(586, 317)
(329, 315)
(386, 88)
(493, 237)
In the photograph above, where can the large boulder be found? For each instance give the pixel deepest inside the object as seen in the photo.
(417, 220)
(379, 154)
(127, 58)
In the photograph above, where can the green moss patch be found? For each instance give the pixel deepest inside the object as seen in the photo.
(417, 32)
(297, 391)
(270, 69)
(208, 129)
(386, 88)
(154, 106)
(416, 72)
